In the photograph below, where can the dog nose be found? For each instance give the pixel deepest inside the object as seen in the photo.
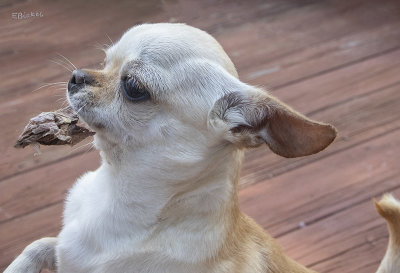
(78, 79)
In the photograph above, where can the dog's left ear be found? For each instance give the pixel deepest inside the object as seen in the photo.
(253, 118)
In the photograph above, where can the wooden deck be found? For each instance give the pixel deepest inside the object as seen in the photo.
(336, 61)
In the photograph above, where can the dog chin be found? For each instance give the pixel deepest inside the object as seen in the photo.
(80, 103)
(83, 109)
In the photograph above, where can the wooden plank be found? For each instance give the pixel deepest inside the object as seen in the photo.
(289, 35)
(354, 121)
(348, 177)
(339, 236)
(276, 16)
(335, 242)
(358, 115)
(359, 79)
(363, 259)
(30, 55)
(316, 245)
(18, 232)
(34, 190)
(303, 17)
(360, 100)
(299, 46)
(46, 38)
(343, 84)
(324, 187)
(15, 235)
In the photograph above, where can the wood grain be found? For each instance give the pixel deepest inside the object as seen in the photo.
(325, 186)
(23, 194)
(16, 234)
(353, 245)
(360, 100)
(268, 32)
(336, 61)
(352, 118)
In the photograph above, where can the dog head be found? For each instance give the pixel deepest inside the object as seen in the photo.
(173, 85)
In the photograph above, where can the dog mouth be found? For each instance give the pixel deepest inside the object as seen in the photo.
(82, 104)
(81, 97)
(79, 102)
(78, 94)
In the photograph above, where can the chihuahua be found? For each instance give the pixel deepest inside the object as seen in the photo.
(172, 121)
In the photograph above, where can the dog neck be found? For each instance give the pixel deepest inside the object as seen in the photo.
(191, 195)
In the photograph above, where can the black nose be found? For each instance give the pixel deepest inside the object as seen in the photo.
(78, 79)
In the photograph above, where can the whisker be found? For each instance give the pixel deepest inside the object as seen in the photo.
(50, 84)
(90, 148)
(77, 112)
(83, 146)
(61, 64)
(63, 61)
(110, 39)
(100, 47)
(60, 96)
(60, 87)
(59, 54)
(65, 103)
(61, 99)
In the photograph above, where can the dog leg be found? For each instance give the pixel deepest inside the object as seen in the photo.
(389, 208)
(37, 256)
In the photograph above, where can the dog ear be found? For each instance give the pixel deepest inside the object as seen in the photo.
(253, 118)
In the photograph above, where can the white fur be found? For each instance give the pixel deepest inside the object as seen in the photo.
(156, 204)
(162, 197)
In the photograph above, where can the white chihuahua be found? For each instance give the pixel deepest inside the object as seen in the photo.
(172, 121)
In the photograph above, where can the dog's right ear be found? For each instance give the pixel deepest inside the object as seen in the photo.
(253, 118)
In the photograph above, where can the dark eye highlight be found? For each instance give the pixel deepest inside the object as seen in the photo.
(133, 90)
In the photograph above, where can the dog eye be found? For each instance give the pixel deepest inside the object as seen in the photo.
(134, 91)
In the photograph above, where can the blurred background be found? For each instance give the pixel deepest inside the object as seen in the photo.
(336, 61)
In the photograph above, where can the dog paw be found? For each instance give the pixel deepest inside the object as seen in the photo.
(22, 264)
(38, 255)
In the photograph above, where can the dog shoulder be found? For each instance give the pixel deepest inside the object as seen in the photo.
(251, 249)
